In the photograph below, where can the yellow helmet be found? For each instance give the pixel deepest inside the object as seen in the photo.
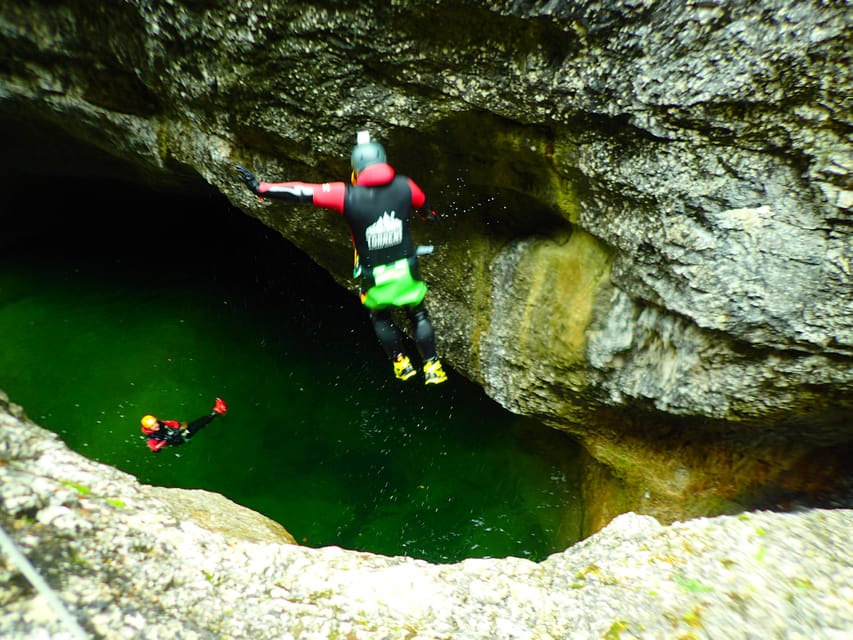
(149, 421)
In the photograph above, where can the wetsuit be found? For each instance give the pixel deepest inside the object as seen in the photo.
(172, 432)
(377, 209)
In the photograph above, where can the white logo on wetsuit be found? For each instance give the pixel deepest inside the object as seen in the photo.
(385, 232)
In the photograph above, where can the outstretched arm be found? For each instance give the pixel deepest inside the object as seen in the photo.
(293, 192)
(329, 195)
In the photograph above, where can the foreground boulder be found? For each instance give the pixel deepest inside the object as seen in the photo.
(119, 559)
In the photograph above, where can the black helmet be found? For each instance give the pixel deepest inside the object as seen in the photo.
(366, 152)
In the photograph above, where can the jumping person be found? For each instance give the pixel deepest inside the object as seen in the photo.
(377, 207)
(159, 433)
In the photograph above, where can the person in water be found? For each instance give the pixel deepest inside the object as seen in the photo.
(159, 433)
(377, 207)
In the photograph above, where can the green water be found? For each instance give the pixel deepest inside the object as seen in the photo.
(145, 303)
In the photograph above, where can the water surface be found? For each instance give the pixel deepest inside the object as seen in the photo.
(147, 303)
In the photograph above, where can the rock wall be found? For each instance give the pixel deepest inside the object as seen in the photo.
(648, 204)
(119, 559)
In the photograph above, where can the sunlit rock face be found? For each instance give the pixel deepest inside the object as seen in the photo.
(648, 205)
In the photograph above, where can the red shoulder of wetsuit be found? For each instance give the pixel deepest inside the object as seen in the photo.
(418, 197)
(172, 424)
(380, 174)
(376, 175)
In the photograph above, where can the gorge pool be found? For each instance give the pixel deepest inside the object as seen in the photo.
(116, 302)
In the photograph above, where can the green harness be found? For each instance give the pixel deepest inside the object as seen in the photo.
(395, 287)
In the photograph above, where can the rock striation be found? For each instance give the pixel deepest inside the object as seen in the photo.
(648, 238)
(126, 560)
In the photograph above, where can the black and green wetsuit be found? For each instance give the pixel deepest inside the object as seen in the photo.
(377, 209)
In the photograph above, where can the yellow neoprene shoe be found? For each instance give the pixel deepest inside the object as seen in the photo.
(433, 373)
(403, 368)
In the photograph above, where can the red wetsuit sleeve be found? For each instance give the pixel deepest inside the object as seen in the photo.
(173, 424)
(420, 204)
(330, 195)
(418, 197)
(156, 445)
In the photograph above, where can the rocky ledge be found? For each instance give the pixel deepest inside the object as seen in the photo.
(91, 552)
